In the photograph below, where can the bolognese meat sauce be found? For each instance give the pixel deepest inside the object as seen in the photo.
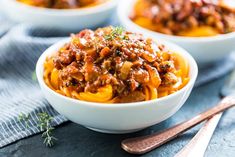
(112, 56)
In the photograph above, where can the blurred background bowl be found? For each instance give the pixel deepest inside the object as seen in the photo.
(205, 50)
(64, 19)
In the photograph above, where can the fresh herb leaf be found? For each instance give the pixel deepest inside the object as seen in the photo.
(34, 77)
(45, 124)
(116, 32)
(24, 118)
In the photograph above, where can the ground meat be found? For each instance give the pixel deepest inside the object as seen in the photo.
(140, 75)
(169, 79)
(120, 63)
(166, 66)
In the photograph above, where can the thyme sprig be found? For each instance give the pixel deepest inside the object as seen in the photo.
(116, 32)
(24, 118)
(45, 124)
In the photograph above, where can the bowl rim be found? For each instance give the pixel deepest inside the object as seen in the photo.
(56, 46)
(65, 12)
(124, 9)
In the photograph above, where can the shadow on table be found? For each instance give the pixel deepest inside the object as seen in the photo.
(75, 139)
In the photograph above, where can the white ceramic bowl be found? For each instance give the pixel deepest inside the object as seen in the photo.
(121, 117)
(204, 49)
(66, 19)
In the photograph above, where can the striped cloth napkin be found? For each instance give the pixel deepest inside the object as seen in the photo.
(19, 91)
(20, 48)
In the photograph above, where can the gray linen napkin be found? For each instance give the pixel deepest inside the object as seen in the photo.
(20, 93)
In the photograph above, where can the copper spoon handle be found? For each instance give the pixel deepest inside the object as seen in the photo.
(144, 144)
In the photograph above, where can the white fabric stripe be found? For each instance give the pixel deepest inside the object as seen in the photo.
(16, 135)
(30, 128)
(25, 132)
(54, 120)
(20, 128)
(14, 128)
(6, 133)
(11, 133)
(3, 134)
(19, 122)
(33, 121)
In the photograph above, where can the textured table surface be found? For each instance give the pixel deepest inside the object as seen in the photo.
(75, 140)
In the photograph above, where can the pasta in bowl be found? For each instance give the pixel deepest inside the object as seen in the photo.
(111, 65)
(115, 75)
